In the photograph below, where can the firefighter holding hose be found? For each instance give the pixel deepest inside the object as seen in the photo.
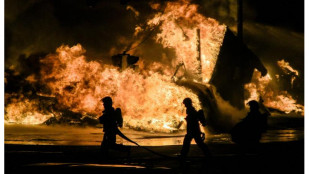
(193, 129)
(111, 120)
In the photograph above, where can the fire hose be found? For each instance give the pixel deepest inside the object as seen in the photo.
(128, 139)
(156, 153)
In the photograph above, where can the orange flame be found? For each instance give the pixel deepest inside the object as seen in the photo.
(287, 69)
(285, 66)
(273, 98)
(24, 111)
(178, 24)
(148, 102)
(148, 98)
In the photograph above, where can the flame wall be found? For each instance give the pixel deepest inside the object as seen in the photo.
(148, 98)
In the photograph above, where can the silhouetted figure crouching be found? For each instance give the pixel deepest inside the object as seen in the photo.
(111, 120)
(193, 129)
(249, 130)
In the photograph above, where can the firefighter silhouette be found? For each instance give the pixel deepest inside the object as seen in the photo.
(111, 120)
(193, 129)
(249, 130)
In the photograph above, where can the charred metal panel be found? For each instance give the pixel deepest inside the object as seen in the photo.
(124, 61)
(234, 68)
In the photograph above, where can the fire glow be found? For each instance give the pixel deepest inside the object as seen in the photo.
(178, 24)
(273, 98)
(147, 102)
(148, 98)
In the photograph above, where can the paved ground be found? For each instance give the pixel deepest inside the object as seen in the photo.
(283, 157)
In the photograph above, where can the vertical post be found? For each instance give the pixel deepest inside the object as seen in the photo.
(239, 20)
(124, 63)
(198, 46)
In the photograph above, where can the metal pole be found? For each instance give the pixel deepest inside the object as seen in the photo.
(199, 53)
(239, 20)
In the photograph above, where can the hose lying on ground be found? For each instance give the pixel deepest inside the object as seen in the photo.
(128, 139)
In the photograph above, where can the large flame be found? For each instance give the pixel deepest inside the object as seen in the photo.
(148, 102)
(25, 111)
(178, 24)
(147, 98)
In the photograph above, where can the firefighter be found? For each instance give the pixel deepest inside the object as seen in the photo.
(249, 130)
(111, 120)
(194, 118)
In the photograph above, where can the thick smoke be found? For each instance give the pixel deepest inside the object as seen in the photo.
(41, 26)
(105, 28)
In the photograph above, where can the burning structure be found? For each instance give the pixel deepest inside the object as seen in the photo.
(234, 68)
(67, 85)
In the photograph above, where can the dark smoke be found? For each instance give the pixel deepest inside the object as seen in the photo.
(106, 27)
(42, 26)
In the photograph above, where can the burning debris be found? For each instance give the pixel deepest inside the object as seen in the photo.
(274, 98)
(178, 25)
(288, 71)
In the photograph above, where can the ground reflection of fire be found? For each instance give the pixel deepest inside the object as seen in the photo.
(148, 98)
